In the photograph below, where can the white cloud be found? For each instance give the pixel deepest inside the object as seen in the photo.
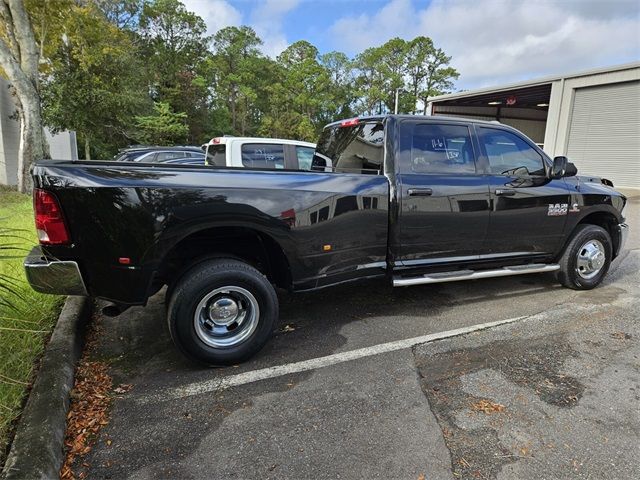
(497, 41)
(395, 19)
(267, 19)
(217, 14)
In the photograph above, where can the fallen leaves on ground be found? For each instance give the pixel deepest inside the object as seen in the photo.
(487, 406)
(122, 388)
(88, 413)
(89, 410)
(288, 328)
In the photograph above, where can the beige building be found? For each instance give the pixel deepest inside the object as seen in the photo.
(592, 117)
(62, 145)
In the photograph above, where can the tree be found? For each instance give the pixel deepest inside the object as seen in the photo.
(236, 60)
(418, 52)
(175, 49)
(370, 83)
(342, 91)
(165, 127)
(438, 78)
(122, 13)
(393, 68)
(416, 68)
(19, 58)
(94, 86)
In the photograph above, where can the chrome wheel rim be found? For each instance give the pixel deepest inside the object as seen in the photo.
(590, 260)
(226, 316)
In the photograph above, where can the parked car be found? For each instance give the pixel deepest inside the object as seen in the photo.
(157, 154)
(412, 199)
(184, 161)
(272, 153)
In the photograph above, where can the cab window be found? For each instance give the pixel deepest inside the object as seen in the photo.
(508, 154)
(351, 148)
(441, 149)
(216, 155)
(305, 156)
(263, 155)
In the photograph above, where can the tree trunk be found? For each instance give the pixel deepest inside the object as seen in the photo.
(19, 58)
(33, 143)
(233, 109)
(87, 148)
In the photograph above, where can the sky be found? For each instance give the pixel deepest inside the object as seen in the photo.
(491, 42)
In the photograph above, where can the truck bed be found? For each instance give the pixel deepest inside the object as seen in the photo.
(330, 227)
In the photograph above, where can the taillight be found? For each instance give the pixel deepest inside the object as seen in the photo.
(49, 219)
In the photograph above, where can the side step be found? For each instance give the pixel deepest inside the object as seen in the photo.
(474, 274)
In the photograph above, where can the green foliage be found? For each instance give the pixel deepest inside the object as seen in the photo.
(94, 86)
(238, 75)
(164, 127)
(176, 60)
(416, 69)
(118, 71)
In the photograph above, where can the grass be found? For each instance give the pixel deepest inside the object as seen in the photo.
(25, 324)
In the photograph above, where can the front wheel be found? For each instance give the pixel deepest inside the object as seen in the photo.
(222, 312)
(586, 259)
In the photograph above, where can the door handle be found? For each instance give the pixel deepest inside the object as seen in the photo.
(420, 192)
(505, 192)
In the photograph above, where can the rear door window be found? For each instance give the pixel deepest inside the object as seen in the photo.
(263, 155)
(444, 149)
(146, 157)
(351, 149)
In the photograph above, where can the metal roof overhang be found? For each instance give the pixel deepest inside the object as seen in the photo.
(527, 97)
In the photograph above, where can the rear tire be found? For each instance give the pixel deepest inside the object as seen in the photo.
(222, 312)
(586, 258)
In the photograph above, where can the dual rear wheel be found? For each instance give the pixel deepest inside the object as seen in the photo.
(222, 312)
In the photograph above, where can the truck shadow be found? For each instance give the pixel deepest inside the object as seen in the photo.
(313, 324)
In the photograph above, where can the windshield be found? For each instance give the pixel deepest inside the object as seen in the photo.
(351, 149)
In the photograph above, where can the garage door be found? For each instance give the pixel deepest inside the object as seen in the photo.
(604, 137)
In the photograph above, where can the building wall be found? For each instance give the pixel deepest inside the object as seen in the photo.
(62, 145)
(561, 105)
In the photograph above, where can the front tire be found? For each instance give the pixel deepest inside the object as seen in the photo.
(222, 312)
(586, 259)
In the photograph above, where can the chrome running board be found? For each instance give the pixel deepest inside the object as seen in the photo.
(457, 275)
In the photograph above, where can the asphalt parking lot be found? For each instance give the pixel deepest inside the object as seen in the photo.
(553, 394)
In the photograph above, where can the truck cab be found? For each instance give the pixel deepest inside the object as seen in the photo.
(250, 152)
(468, 195)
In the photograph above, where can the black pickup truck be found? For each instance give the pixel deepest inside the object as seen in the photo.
(414, 199)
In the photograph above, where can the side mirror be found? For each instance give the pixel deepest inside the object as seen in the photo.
(559, 167)
(571, 170)
(318, 164)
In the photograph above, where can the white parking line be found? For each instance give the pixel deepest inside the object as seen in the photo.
(222, 383)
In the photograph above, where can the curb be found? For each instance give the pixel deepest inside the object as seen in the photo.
(37, 450)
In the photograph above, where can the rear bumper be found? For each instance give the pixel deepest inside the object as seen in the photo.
(61, 277)
(623, 230)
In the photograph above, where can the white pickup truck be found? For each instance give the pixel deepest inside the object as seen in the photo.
(274, 153)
